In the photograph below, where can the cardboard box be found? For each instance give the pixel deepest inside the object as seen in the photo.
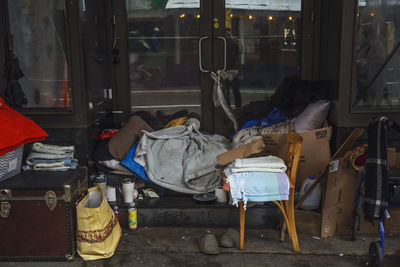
(342, 183)
(336, 220)
(339, 198)
(315, 152)
(338, 203)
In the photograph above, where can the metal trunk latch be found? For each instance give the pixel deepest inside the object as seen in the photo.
(5, 209)
(51, 200)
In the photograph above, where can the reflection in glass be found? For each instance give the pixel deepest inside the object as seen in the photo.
(39, 35)
(163, 56)
(262, 44)
(377, 55)
(262, 47)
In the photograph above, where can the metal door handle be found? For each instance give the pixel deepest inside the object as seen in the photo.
(200, 66)
(223, 39)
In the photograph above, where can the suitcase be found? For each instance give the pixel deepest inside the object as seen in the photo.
(38, 215)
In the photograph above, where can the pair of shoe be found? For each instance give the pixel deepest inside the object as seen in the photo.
(209, 244)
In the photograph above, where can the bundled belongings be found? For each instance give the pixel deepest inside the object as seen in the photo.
(312, 118)
(181, 158)
(259, 179)
(15, 131)
(98, 229)
(51, 158)
(109, 153)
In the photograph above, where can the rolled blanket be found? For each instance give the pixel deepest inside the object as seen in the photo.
(257, 186)
(267, 164)
(51, 149)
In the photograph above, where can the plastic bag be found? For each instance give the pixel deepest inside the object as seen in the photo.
(98, 230)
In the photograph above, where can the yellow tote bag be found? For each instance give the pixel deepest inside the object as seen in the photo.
(98, 229)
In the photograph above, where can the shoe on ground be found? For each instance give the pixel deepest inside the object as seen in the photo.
(209, 245)
(230, 239)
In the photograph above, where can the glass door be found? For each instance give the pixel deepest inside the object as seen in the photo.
(262, 40)
(174, 46)
(164, 75)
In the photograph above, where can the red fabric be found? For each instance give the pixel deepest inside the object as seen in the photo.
(108, 133)
(360, 160)
(16, 129)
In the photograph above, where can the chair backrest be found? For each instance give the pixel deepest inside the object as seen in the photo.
(293, 155)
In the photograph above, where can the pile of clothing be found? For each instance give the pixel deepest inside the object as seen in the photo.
(311, 118)
(44, 157)
(258, 179)
(178, 157)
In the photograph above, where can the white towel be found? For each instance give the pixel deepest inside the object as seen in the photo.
(268, 164)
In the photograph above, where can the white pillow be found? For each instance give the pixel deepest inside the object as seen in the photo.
(313, 116)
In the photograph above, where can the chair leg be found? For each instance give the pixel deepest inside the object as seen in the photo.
(242, 220)
(283, 231)
(292, 226)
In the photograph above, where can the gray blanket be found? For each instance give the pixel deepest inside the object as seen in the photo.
(181, 158)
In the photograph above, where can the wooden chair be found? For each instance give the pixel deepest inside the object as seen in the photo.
(286, 207)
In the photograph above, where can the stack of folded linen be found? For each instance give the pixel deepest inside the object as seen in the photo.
(45, 157)
(259, 179)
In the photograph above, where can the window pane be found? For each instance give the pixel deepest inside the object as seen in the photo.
(39, 31)
(262, 44)
(163, 55)
(377, 58)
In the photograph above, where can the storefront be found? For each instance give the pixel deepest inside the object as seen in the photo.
(89, 65)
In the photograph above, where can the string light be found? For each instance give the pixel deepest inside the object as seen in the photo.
(270, 17)
(290, 18)
(197, 16)
(372, 14)
(250, 16)
(183, 15)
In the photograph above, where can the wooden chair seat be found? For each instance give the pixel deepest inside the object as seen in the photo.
(286, 207)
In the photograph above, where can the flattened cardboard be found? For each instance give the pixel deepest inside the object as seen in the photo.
(315, 151)
(244, 151)
(336, 220)
(339, 196)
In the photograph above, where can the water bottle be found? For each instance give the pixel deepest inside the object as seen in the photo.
(132, 217)
(313, 200)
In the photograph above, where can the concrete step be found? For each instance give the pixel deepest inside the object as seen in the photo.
(186, 212)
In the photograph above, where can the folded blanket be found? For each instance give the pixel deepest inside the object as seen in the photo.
(257, 186)
(267, 164)
(35, 157)
(52, 165)
(52, 149)
(51, 158)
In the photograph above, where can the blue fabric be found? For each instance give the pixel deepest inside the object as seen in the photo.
(260, 186)
(132, 165)
(273, 117)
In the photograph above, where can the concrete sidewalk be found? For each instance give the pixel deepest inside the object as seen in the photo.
(179, 247)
